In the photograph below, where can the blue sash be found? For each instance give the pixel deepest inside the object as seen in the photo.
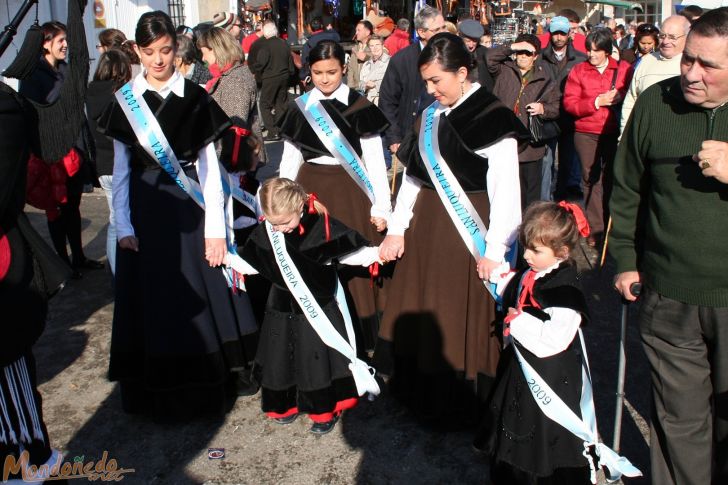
(331, 137)
(151, 137)
(467, 221)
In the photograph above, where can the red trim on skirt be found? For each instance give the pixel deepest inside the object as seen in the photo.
(319, 418)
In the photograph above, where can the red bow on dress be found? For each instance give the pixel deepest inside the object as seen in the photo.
(525, 299)
(240, 133)
(581, 223)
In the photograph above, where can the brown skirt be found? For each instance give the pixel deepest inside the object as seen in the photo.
(439, 316)
(348, 203)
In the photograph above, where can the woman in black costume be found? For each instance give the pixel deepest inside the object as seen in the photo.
(180, 335)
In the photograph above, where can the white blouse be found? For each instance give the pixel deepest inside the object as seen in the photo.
(372, 157)
(208, 171)
(504, 193)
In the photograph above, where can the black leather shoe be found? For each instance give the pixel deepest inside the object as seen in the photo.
(286, 420)
(323, 428)
(89, 264)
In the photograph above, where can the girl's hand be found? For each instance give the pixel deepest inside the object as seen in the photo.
(379, 223)
(535, 109)
(215, 250)
(129, 242)
(485, 267)
(391, 248)
(512, 312)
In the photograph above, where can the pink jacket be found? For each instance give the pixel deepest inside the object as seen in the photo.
(583, 86)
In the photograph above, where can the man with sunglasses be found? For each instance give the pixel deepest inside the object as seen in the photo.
(668, 209)
(403, 95)
(659, 65)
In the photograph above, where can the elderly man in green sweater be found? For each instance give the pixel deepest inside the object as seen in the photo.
(670, 231)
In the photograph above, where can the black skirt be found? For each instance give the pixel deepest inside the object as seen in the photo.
(178, 330)
(296, 369)
(521, 440)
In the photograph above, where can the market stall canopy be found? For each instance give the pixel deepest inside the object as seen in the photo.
(621, 3)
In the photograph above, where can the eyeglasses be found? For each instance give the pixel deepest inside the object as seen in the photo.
(670, 37)
(524, 53)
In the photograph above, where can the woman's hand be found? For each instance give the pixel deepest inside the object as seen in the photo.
(391, 248)
(609, 98)
(485, 267)
(535, 109)
(129, 242)
(215, 250)
(379, 223)
(522, 46)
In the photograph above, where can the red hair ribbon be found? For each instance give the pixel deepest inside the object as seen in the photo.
(240, 132)
(581, 223)
(373, 273)
(312, 197)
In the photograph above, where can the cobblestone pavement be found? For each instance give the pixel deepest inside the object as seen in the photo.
(376, 443)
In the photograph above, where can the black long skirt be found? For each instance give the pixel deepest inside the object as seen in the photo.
(295, 368)
(179, 332)
(526, 446)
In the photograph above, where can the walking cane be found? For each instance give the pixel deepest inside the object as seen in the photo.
(606, 241)
(394, 172)
(635, 289)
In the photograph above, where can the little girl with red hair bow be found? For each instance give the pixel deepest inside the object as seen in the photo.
(545, 310)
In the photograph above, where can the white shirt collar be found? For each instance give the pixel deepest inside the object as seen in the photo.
(549, 269)
(175, 84)
(341, 94)
(447, 109)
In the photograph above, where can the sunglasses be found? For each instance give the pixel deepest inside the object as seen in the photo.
(524, 53)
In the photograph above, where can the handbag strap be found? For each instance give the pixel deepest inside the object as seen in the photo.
(614, 76)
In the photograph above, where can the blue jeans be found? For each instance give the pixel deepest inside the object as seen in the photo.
(105, 182)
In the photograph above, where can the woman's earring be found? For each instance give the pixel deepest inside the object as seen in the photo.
(462, 88)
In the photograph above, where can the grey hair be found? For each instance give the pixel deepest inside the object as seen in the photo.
(423, 17)
(678, 19)
(270, 29)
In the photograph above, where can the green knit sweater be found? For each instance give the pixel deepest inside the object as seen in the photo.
(668, 220)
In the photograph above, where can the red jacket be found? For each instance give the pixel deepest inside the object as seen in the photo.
(398, 40)
(583, 86)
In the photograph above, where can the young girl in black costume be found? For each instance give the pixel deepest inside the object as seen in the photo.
(180, 335)
(545, 310)
(298, 368)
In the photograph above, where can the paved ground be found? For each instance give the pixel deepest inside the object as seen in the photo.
(376, 443)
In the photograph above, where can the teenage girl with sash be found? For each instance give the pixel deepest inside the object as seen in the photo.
(544, 363)
(307, 356)
(180, 335)
(333, 148)
(436, 336)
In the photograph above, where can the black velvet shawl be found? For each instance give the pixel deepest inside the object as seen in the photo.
(359, 119)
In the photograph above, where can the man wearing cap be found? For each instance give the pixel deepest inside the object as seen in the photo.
(228, 21)
(558, 58)
(578, 39)
(471, 31)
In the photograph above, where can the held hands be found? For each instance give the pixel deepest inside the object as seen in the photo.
(623, 281)
(379, 223)
(535, 109)
(713, 160)
(391, 248)
(129, 242)
(215, 250)
(486, 267)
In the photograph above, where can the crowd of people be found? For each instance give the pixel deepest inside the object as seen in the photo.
(455, 289)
